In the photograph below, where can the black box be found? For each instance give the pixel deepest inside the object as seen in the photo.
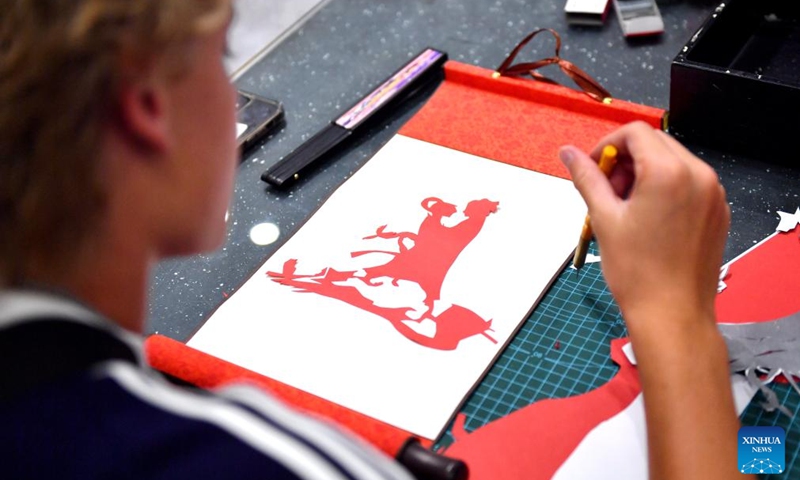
(735, 86)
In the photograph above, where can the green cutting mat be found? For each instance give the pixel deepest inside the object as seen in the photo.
(563, 349)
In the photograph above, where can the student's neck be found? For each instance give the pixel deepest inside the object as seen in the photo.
(111, 280)
(117, 288)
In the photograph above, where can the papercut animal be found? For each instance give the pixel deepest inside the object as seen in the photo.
(424, 258)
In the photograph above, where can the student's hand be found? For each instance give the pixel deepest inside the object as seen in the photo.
(661, 220)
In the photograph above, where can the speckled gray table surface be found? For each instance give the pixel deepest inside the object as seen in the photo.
(351, 45)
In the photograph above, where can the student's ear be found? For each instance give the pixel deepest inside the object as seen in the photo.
(143, 108)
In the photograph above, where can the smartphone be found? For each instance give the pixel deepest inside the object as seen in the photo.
(256, 117)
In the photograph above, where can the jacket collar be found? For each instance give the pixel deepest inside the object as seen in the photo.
(45, 337)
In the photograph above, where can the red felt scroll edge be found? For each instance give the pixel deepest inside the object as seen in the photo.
(552, 95)
(209, 372)
(518, 121)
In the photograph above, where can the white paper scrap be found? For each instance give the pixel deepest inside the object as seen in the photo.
(788, 221)
(240, 129)
(723, 274)
(627, 349)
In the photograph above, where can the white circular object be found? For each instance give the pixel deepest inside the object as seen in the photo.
(264, 233)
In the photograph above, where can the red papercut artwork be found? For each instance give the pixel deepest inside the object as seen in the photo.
(424, 258)
(503, 449)
(762, 285)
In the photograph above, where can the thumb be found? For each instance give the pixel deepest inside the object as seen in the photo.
(588, 179)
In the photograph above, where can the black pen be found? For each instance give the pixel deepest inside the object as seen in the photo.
(398, 86)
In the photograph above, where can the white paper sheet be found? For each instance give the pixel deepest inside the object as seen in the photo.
(355, 358)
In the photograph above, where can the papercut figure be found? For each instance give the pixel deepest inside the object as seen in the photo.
(423, 258)
(534, 441)
(435, 246)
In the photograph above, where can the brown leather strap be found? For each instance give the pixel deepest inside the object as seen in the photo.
(589, 85)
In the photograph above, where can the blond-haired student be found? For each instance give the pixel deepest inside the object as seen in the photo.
(117, 149)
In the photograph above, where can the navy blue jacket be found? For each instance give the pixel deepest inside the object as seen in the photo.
(78, 401)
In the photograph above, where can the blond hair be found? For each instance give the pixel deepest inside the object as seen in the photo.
(60, 66)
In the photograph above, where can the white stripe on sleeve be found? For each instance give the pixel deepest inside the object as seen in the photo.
(357, 456)
(240, 423)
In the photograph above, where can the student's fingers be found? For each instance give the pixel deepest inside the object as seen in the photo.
(589, 180)
(622, 178)
(638, 142)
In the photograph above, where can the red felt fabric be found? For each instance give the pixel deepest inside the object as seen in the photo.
(763, 285)
(207, 371)
(517, 121)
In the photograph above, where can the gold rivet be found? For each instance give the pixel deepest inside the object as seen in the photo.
(608, 100)
(296, 176)
(496, 75)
